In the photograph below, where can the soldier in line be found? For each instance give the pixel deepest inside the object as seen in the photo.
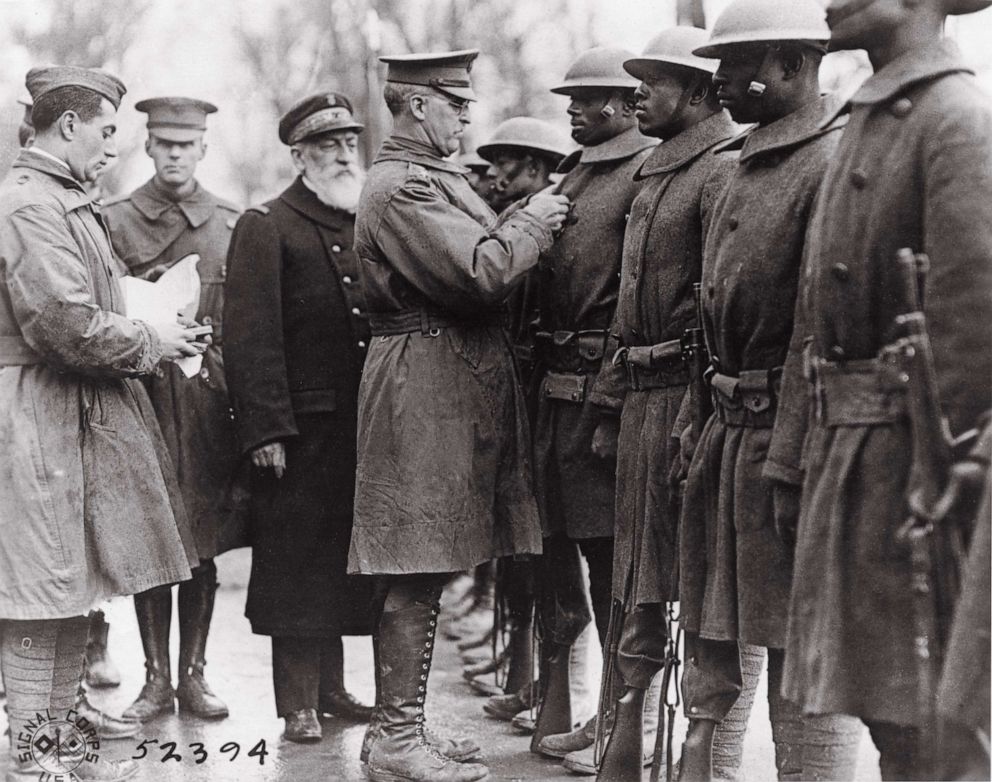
(166, 219)
(913, 170)
(443, 465)
(297, 336)
(580, 392)
(662, 258)
(91, 464)
(478, 176)
(736, 567)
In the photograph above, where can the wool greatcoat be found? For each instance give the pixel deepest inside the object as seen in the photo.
(444, 480)
(662, 258)
(295, 341)
(914, 169)
(736, 569)
(149, 229)
(87, 509)
(578, 281)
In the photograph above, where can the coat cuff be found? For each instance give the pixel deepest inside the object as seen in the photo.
(534, 228)
(151, 356)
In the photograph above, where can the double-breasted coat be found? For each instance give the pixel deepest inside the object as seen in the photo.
(444, 478)
(914, 169)
(149, 229)
(295, 341)
(736, 570)
(87, 509)
(578, 280)
(662, 258)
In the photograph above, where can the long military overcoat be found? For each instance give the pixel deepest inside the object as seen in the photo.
(578, 279)
(87, 510)
(295, 340)
(444, 479)
(736, 570)
(150, 229)
(914, 169)
(662, 258)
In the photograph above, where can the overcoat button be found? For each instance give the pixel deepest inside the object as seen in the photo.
(841, 272)
(355, 311)
(361, 343)
(732, 223)
(901, 107)
(336, 248)
(837, 353)
(207, 320)
(859, 178)
(346, 280)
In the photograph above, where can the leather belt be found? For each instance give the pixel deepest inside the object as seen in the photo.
(571, 351)
(430, 323)
(856, 393)
(653, 366)
(749, 399)
(15, 352)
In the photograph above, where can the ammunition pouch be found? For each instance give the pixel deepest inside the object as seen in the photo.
(571, 351)
(748, 400)
(856, 393)
(565, 386)
(653, 366)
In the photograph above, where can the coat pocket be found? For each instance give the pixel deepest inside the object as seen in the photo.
(320, 400)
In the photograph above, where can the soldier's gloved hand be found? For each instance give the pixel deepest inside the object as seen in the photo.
(604, 439)
(785, 500)
(271, 456)
(178, 340)
(549, 209)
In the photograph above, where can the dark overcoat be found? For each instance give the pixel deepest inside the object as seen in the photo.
(296, 338)
(662, 258)
(149, 229)
(444, 479)
(914, 169)
(578, 280)
(736, 570)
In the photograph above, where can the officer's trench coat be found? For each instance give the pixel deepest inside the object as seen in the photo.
(87, 511)
(662, 258)
(149, 229)
(296, 336)
(444, 478)
(914, 169)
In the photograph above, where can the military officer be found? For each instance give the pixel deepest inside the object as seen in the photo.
(443, 470)
(169, 217)
(913, 170)
(297, 339)
(576, 423)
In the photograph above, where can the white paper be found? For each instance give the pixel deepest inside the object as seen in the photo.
(157, 303)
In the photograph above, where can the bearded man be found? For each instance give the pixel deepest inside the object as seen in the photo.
(296, 338)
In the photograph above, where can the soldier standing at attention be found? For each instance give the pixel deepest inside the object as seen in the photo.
(576, 428)
(736, 568)
(163, 221)
(443, 470)
(913, 170)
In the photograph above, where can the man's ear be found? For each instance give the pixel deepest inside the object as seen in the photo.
(628, 105)
(418, 106)
(148, 146)
(297, 154)
(701, 90)
(68, 124)
(793, 61)
(203, 149)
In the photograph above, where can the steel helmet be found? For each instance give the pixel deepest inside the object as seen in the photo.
(766, 21)
(598, 67)
(673, 46)
(472, 161)
(526, 133)
(956, 7)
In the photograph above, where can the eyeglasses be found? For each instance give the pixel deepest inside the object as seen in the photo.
(460, 107)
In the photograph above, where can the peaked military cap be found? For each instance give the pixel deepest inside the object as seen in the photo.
(176, 119)
(447, 72)
(320, 113)
(42, 80)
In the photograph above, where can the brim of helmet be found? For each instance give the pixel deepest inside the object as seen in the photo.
(488, 151)
(593, 83)
(643, 67)
(715, 49)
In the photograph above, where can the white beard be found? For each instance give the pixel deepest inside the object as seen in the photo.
(341, 191)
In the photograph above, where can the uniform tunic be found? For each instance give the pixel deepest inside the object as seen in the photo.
(87, 510)
(444, 479)
(662, 258)
(914, 169)
(296, 341)
(578, 282)
(736, 571)
(148, 229)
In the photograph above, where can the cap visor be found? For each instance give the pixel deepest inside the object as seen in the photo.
(462, 93)
(331, 127)
(176, 134)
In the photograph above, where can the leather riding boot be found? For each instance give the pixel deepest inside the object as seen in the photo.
(109, 727)
(622, 760)
(554, 714)
(332, 697)
(196, 607)
(696, 764)
(154, 611)
(100, 669)
(401, 752)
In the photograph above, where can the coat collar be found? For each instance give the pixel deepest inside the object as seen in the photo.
(302, 199)
(620, 147)
(46, 164)
(938, 59)
(791, 130)
(673, 154)
(152, 201)
(410, 151)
